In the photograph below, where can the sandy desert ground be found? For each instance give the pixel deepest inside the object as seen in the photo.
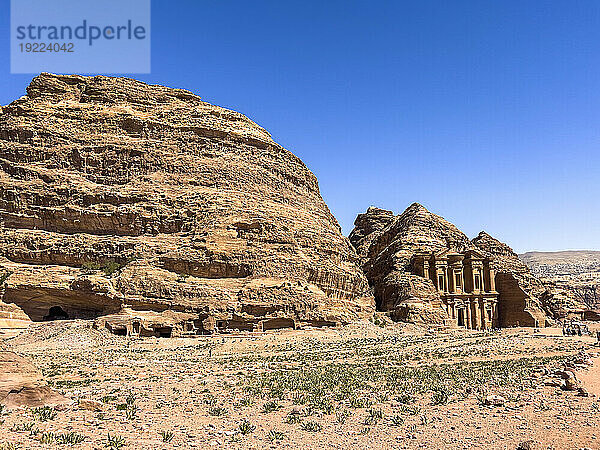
(360, 386)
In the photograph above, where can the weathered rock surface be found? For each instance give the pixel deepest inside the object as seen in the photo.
(114, 192)
(21, 384)
(387, 244)
(522, 294)
(573, 278)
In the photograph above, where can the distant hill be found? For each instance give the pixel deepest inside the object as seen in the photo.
(570, 262)
(575, 273)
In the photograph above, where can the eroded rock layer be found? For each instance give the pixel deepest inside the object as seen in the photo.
(114, 192)
(388, 244)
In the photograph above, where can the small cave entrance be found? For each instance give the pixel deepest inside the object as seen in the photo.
(120, 331)
(56, 313)
(163, 332)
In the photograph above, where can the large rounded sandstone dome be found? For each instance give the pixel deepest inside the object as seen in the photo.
(117, 195)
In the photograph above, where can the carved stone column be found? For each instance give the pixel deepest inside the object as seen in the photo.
(468, 320)
(484, 324)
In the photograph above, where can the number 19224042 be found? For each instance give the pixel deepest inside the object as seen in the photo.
(41, 47)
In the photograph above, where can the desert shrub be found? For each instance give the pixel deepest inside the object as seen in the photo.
(270, 407)
(275, 436)
(396, 420)
(115, 442)
(440, 397)
(312, 426)
(167, 436)
(245, 427)
(217, 411)
(44, 413)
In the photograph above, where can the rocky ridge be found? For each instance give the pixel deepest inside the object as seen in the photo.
(117, 193)
(387, 244)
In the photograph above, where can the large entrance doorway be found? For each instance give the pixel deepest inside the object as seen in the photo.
(461, 317)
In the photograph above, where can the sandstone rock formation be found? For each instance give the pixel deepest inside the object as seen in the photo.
(522, 294)
(388, 246)
(21, 384)
(116, 193)
(573, 277)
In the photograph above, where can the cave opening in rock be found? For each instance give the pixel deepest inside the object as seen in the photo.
(56, 313)
(120, 331)
(164, 332)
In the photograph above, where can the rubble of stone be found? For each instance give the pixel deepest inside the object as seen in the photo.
(565, 378)
(423, 269)
(119, 196)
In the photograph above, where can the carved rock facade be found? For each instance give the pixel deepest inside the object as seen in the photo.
(424, 269)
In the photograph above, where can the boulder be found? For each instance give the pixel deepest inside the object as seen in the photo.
(495, 400)
(22, 385)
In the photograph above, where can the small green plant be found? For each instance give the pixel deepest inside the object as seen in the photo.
(396, 420)
(293, 417)
(114, 442)
(374, 415)
(271, 406)
(342, 415)
(182, 277)
(108, 399)
(245, 402)
(167, 436)
(298, 398)
(411, 410)
(70, 438)
(275, 436)
(108, 267)
(217, 411)
(30, 427)
(130, 400)
(9, 446)
(47, 438)
(5, 276)
(44, 413)
(440, 397)
(210, 400)
(312, 426)
(245, 427)
(62, 438)
(322, 404)
(405, 398)
(360, 402)
(131, 412)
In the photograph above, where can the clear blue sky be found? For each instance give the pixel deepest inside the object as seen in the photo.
(487, 112)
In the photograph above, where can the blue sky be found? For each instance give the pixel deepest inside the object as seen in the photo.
(487, 112)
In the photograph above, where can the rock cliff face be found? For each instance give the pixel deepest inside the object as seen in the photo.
(387, 245)
(522, 295)
(114, 192)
